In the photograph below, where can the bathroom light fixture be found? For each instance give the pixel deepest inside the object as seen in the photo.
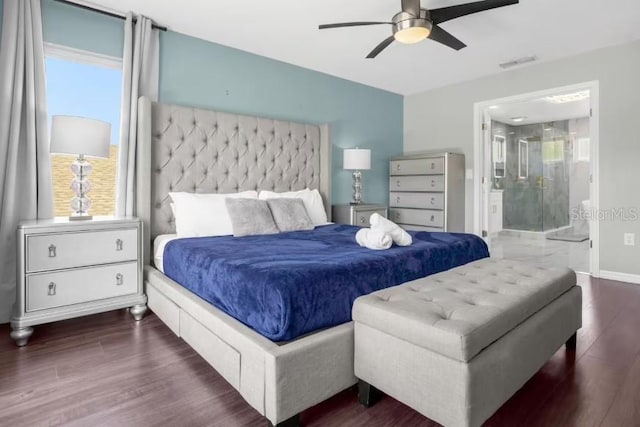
(356, 159)
(518, 119)
(83, 137)
(493, 107)
(568, 97)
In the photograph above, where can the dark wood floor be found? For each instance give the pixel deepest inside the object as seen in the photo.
(107, 370)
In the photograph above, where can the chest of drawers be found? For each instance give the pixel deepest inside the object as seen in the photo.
(68, 269)
(357, 214)
(426, 192)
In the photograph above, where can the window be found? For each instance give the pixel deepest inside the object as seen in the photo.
(581, 149)
(84, 84)
(553, 151)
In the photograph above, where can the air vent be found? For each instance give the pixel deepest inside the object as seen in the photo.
(519, 61)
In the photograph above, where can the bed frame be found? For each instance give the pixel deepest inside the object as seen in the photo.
(195, 150)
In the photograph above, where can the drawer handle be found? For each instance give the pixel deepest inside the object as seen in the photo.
(433, 165)
(433, 200)
(52, 251)
(398, 199)
(433, 182)
(363, 220)
(397, 216)
(119, 244)
(51, 289)
(119, 279)
(398, 183)
(433, 218)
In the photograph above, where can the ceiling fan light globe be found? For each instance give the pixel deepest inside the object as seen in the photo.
(412, 35)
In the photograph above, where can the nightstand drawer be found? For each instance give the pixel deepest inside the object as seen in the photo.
(78, 249)
(417, 200)
(417, 183)
(50, 290)
(361, 218)
(432, 166)
(425, 218)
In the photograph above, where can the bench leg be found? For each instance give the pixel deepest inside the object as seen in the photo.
(572, 342)
(289, 422)
(368, 395)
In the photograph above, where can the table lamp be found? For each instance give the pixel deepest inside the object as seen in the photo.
(357, 159)
(84, 137)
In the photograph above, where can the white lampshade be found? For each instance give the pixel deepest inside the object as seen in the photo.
(78, 135)
(357, 159)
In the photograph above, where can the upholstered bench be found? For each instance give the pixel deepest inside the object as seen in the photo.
(457, 345)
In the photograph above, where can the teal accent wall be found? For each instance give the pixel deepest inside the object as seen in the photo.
(82, 29)
(199, 73)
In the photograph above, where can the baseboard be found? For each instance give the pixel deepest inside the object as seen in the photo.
(620, 277)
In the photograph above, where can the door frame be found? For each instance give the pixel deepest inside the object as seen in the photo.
(482, 161)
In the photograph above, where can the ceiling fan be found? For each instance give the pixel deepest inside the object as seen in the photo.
(414, 24)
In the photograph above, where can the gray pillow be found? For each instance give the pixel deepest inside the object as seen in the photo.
(290, 214)
(250, 217)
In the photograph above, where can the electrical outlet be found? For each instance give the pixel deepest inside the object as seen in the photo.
(629, 239)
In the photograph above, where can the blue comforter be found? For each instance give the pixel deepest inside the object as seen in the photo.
(289, 284)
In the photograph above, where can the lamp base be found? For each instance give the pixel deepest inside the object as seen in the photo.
(80, 217)
(80, 185)
(357, 188)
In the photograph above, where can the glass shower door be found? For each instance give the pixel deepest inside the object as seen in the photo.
(554, 180)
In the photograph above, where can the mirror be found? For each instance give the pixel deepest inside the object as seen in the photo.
(523, 159)
(499, 156)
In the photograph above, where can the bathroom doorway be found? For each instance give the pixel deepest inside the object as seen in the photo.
(539, 158)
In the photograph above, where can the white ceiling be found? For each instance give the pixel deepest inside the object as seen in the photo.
(539, 111)
(287, 30)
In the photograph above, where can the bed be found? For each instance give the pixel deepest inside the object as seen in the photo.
(283, 370)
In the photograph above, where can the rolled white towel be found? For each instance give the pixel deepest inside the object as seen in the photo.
(399, 236)
(373, 239)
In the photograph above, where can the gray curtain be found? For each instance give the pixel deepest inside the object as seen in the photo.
(139, 78)
(25, 168)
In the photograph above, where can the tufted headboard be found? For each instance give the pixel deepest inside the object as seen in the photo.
(202, 151)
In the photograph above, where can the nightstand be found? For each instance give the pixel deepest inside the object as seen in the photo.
(356, 214)
(69, 269)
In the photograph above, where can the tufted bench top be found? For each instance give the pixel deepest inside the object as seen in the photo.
(459, 312)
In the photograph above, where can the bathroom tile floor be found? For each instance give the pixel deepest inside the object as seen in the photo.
(542, 252)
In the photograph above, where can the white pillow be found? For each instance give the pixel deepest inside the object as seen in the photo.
(199, 215)
(312, 202)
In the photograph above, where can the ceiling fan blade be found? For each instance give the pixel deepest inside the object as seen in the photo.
(349, 24)
(382, 46)
(412, 7)
(452, 12)
(441, 36)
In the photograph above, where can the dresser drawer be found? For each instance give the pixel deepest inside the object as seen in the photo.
(422, 217)
(62, 288)
(417, 183)
(78, 249)
(432, 166)
(361, 218)
(417, 200)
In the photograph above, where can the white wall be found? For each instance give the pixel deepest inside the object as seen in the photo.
(443, 119)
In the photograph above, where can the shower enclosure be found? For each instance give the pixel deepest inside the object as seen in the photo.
(542, 171)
